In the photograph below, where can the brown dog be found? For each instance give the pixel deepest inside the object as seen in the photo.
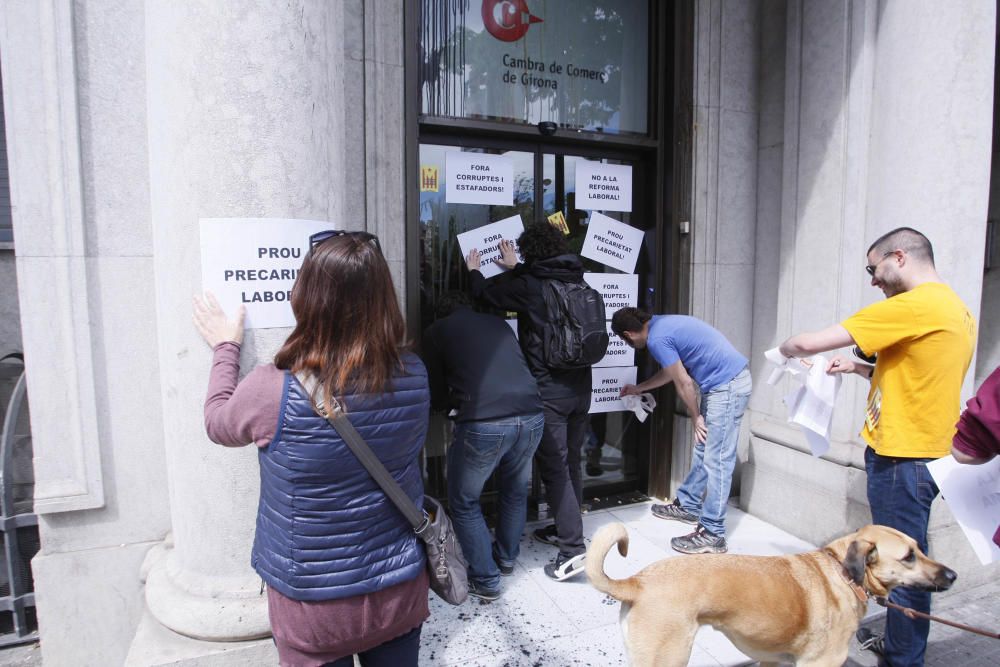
(800, 608)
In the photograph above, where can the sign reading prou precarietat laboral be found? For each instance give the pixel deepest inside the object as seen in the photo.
(254, 262)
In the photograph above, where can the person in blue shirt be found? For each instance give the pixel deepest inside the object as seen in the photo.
(698, 359)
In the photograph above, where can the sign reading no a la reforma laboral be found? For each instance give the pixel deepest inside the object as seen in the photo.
(254, 262)
(478, 178)
(603, 187)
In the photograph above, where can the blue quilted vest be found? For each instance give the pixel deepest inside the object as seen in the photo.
(325, 529)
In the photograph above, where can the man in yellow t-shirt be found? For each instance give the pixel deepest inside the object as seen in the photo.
(923, 337)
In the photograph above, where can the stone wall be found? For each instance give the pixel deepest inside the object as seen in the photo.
(132, 121)
(882, 112)
(77, 152)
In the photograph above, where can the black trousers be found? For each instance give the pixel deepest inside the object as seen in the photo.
(558, 458)
(399, 652)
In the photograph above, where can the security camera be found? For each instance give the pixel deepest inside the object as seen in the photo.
(547, 127)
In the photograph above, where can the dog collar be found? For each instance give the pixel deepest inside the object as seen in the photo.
(858, 591)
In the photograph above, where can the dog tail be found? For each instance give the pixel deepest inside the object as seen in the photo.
(625, 590)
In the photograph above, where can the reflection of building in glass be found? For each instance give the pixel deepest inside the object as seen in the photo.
(586, 68)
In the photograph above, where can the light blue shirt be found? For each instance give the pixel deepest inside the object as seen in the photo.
(709, 358)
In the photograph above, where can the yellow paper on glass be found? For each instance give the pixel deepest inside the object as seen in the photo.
(558, 220)
(429, 179)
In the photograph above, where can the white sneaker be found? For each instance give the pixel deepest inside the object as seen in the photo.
(565, 567)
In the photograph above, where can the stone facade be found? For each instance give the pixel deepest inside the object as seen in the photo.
(877, 119)
(817, 126)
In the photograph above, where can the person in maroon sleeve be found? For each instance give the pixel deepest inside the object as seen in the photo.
(345, 572)
(978, 437)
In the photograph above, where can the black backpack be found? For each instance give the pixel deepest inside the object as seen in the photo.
(575, 334)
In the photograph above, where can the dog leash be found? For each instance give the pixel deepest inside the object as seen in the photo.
(914, 614)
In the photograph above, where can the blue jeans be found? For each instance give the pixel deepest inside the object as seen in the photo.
(479, 448)
(705, 490)
(900, 492)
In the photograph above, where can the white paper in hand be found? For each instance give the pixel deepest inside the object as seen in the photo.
(641, 405)
(973, 496)
(811, 404)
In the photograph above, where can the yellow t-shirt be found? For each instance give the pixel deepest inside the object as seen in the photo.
(924, 339)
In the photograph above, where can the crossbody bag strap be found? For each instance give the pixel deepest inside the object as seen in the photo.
(366, 456)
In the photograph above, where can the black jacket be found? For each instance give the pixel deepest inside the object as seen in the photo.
(476, 367)
(520, 290)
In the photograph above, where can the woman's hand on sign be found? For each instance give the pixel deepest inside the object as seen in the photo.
(508, 256)
(213, 325)
(629, 390)
(474, 260)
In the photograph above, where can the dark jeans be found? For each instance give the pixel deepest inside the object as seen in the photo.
(900, 492)
(399, 652)
(479, 448)
(558, 459)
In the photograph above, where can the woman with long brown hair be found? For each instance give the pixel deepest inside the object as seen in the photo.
(344, 571)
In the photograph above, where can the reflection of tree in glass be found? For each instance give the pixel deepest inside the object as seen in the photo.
(599, 27)
(460, 66)
(441, 22)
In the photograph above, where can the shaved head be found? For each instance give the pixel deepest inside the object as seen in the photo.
(907, 239)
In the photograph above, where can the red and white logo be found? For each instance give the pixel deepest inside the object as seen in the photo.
(508, 20)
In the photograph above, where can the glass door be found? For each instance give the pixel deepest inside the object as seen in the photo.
(544, 185)
(616, 451)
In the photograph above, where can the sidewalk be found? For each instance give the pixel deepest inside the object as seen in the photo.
(539, 622)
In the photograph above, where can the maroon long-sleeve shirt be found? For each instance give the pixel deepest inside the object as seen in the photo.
(978, 433)
(305, 633)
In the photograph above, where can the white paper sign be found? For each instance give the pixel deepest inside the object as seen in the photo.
(478, 178)
(973, 496)
(618, 354)
(811, 402)
(254, 262)
(486, 240)
(619, 290)
(603, 187)
(606, 386)
(612, 243)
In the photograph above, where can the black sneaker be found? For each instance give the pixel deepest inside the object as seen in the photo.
(565, 567)
(870, 640)
(674, 512)
(487, 594)
(547, 535)
(700, 542)
(593, 466)
(505, 570)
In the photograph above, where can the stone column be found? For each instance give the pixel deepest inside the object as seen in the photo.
(932, 118)
(245, 107)
(718, 255)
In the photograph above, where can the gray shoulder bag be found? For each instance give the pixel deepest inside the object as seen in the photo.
(445, 562)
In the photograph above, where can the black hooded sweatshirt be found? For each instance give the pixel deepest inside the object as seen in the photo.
(520, 290)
